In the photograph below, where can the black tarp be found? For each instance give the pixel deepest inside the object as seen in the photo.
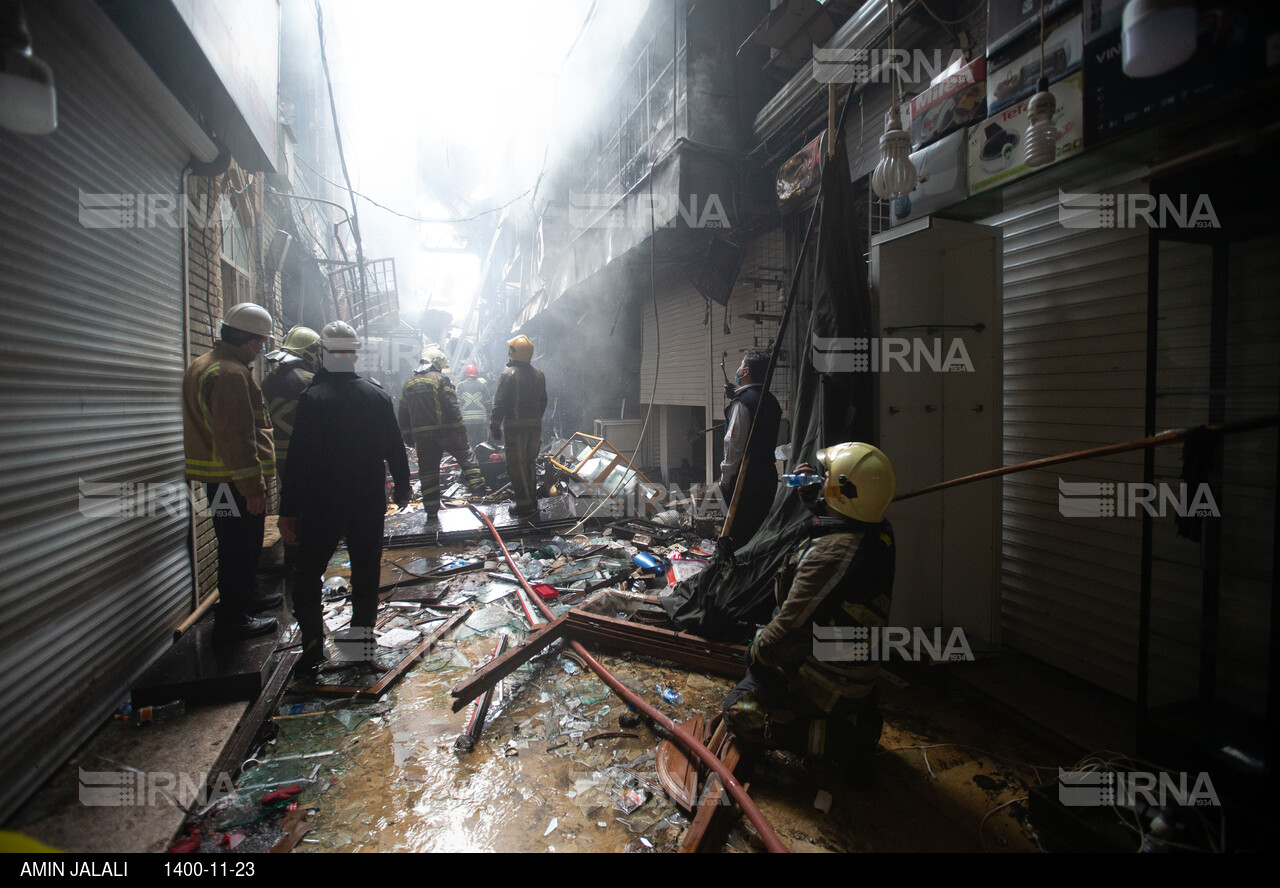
(735, 593)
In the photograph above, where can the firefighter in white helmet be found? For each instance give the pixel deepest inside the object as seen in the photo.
(228, 444)
(335, 487)
(804, 691)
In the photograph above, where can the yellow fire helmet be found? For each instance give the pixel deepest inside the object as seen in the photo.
(520, 348)
(302, 342)
(860, 480)
(435, 359)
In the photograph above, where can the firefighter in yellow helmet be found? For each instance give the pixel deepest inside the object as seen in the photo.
(294, 365)
(806, 690)
(431, 421)
(518, 406)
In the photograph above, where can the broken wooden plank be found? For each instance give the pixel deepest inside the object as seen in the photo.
(295, 826)
(716, 810)
(491, 673)
(688, 650)
(378, 688)
(237, 748)
(677, 772)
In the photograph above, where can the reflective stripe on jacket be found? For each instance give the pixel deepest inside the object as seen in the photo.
(226, 429)
(282, 389)
(429, 407)
(473, 400)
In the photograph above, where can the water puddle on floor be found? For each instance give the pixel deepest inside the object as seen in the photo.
(537, 780)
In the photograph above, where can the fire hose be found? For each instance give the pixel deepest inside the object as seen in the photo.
(687, 740)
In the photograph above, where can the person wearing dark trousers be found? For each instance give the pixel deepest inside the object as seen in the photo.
(475, 403)
(228, 446)
(747, 404)
(810, 685)
(345, 439)
(294, 365)
(518, 406)
(432, 422)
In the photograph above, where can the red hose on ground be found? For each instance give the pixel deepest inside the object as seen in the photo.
(687, 740)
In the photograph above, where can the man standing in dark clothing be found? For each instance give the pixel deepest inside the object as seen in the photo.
(518, 405)
(810, 683)
(761, 477)
(431, 421)
(345, 438)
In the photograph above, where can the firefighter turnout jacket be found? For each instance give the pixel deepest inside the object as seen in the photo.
(282, 388)
(429, 408)
(521, 399)
(473, 400)
(226, 429)
(844, 578)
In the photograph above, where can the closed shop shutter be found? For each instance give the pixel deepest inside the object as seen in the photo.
(682, 338)
(90, 388)
(1075, 303)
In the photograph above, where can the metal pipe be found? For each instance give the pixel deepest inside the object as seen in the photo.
(1164, 438)
(186, 362)
(687, 740)
(199, 612)
(471, 734)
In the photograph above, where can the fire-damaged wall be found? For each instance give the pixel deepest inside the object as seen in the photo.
(684, 347)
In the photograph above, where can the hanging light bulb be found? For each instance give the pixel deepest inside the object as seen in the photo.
(28, 102)
(895, 174)
(1041, 140)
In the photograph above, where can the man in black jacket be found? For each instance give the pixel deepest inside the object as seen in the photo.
(345, 437)
(760, 479)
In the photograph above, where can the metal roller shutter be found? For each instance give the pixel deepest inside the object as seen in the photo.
(90, 387)
(1075, 303)
(682, 374)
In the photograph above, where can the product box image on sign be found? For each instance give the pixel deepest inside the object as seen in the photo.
(1009, 19)
(954, 100)
(1236, 45)
(995, 145)
(942, 179)
(1013, 72)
